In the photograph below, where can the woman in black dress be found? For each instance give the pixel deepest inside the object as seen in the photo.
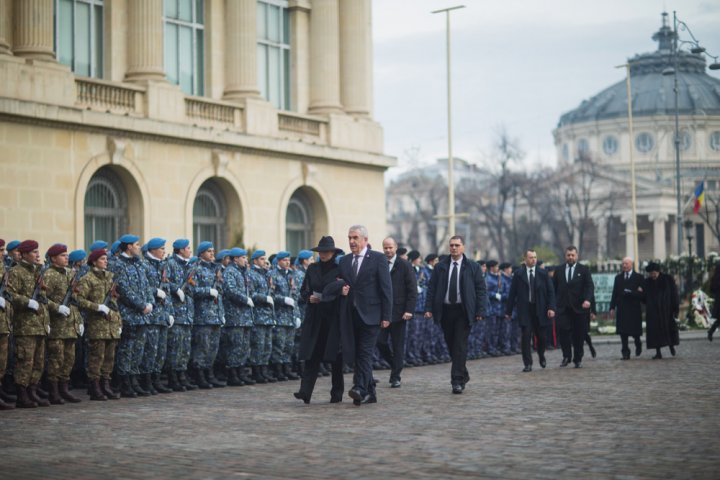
(320, 337)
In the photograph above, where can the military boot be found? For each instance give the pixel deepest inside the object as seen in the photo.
(32, 393)
(96, 391)
(233, 379)
(212, 380)
(65, 393)
(174, 382)
(23, 399)
(257, 375)
(54, 394)
(279, 373)
(245, 377)
(265, 370)
(107, 389)
(202, 381)
(126, 389)
(137, 387)
(289, 373)
(185, 381)
(147, 383)
(6, 396)
(157, 384)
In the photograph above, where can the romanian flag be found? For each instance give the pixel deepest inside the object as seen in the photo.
(699, 197)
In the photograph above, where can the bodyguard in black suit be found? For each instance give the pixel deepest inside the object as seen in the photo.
(404, 293)
(369, 294)
(533, 296)
(456, 298)
(626, 300)
(574, 291)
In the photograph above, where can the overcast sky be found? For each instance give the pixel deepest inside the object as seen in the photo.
(515, 63)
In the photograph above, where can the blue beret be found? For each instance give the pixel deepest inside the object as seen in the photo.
(155, 243)
(144, 248)
(115, 247)
(237, 252)
(304, 254)
(257, 254)
(193, 260)
(97, 244)
(76, 256)
(222, 254)
(281, 255)
(129, 238)
(181, 243)
(13, 245)
(204, 246)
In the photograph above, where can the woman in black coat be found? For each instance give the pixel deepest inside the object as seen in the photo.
(320, 337)
(662, 306)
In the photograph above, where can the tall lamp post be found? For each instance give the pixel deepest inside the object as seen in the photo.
(689, 235)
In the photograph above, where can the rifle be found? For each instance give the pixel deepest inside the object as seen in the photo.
(217, 282)
(3, 284)
(68, 294)
(40, 285)
(164, 282)
(109, 297)
(189, 278)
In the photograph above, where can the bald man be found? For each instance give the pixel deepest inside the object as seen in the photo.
(626, 306)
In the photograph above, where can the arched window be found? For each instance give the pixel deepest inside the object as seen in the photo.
(298, 223)
(105, 207)
(209, 215)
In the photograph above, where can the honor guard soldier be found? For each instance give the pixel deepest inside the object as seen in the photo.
(13, 255)
(96, 296)
(65, 323)
(31, 323)
(7, 401)
(261, 337)
(284, 293)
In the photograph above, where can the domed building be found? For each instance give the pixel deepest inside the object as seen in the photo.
(598, 130)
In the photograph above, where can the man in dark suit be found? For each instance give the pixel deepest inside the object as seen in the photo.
(627, 296)
(456, 298)
(369, 294)
(574, 291)
(533, 296)
(404, 293)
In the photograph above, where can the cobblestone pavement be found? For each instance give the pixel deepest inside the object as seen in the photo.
(641, 418)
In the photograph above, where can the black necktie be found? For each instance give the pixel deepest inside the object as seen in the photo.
(453, 294)
(355, 266)
(570, 273)
(532, 286)
(627, 275)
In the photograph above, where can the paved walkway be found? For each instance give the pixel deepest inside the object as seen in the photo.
(641, 418)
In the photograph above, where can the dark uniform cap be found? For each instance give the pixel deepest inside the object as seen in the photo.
(13, 245)
(413, 255)
(56, 249)
(95, 254)
(27, 246)
(402, 251)
(430, 257)
(490, 263)
(2, 242)
(652, 267)
(505, 265)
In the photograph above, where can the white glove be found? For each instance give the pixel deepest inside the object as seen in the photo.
(103, 309)
(250, 302)
(2, 303)
(498, 296)
(298, 322)
(64, 311)
(181, 295)
(222, 319)
(270, 300)
(171, 321)
(82, 329)
(120, 331)
(33, 305)
(160, 294)
(289, 302)
(213, 293)
(48, 329)
(149, 307)
(419, 289)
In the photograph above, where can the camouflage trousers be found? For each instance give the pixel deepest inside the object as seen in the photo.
(101, 358)
(283, 341)
(179, 345)
(234, 347)
(260, 344)
(29, 359)
(205, 344)
(155, 349)
(129, 352)
(60, 358)
(4, 341)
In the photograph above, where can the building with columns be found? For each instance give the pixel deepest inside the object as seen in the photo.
(598, 129)
(236, 121)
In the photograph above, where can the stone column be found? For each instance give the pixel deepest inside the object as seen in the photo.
(629, 238)
(145, 41)
(299, 54)
(325, 57)
(659, 246)
(356, 56)
(240, 50)
(5, 27)
(601, 228)
(33, 24)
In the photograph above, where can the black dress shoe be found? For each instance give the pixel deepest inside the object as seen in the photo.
(672, 350)
(592, 351)
(395, 384)
(543, 363)
(335, 400)
(358, 398)
(657, 356)
(625, 356)
(578, 364)
(565, 362)
(528, 368)
(638, 350)
(301, 396)
(457, 389)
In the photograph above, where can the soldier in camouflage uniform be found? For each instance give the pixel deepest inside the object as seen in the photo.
(104, 327)
(261, 336)
(79, 371)
(7, 402)
(180, 277)
(31, 324)
(159, 320)
(135, 302)
(304, 259)
(13, 256)
(237, 300)
(65, 324)
(209, 318)
(285, 295)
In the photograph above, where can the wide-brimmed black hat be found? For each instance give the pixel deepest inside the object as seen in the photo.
(332, 290)
(326, 244)
(652, 267)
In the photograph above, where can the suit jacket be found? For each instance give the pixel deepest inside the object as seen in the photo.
(570, 296)
(519, 297)
(473, 292)
(626, 300)
(404, 288)
(371, 291)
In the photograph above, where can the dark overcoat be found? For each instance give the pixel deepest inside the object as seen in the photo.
(662, 306)
(626, 300)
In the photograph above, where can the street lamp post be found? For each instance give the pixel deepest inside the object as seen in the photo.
(689, 235)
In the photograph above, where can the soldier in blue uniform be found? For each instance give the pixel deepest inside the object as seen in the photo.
(264, 319)
(238, 303)
(436, 345)
(209, 316)
(159, 320)
(497, 290)
(180, 278)
(78, 374)
(285, 294)
(135, 302)
(415, 334)
(510, 332)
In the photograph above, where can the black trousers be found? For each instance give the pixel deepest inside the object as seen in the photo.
(572, 329)
(365, 340)
(395, 333)
(534, 329)
(456, 330)
(625, 347)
